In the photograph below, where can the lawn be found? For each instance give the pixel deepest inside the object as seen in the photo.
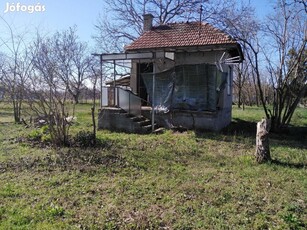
(173, 180)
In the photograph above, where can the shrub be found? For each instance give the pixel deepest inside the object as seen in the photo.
(42, 134)
(35, 135)
(85, 139)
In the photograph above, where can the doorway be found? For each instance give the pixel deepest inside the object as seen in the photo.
(141, 88)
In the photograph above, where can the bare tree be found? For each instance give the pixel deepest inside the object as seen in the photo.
(61, 66)
(286, 32)
(73, 61)
(287, 68)
(167, 11)
(238, 23)
(81, 71)
(2, 89)
(126, 22)
(303, 2)
(49, 92)
(96, 74)
(15, 69)
(241, 75)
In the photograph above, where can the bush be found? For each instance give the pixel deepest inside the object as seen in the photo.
(42, 134)
(85, 139)
(35, 135)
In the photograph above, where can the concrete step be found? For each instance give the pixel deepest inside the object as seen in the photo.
(147, 127)
(137, 119)
(159, 130)
(145, 122)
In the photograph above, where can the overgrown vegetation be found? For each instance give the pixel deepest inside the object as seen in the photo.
(184, 180)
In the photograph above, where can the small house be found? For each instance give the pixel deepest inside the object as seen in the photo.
(181, 75)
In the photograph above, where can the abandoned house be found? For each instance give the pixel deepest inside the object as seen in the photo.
(181, 76)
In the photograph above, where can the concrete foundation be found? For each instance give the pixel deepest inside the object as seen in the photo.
(193, 120)
(115, 119)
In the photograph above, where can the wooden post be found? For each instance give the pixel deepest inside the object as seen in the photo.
(153, 96)
(94, 124)
(262, 153)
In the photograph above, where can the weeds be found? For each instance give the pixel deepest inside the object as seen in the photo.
(85, 139)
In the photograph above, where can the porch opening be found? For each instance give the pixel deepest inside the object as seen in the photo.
(143, 68)
(186, 87)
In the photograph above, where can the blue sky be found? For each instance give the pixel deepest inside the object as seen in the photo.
(61, 14)
(58, 15)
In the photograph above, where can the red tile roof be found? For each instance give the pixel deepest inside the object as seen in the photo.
(180, 35)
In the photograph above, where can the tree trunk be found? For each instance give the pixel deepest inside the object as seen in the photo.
(17, 112)
(76, 98)
(262, 153)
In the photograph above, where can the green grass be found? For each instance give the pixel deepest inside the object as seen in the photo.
(184, 180)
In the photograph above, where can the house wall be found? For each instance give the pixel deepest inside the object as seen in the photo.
(198, 57)
(186, 58)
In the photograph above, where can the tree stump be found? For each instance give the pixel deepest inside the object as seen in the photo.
(262, 153)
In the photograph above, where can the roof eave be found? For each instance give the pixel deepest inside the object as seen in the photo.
(211, 47)
(234, 49)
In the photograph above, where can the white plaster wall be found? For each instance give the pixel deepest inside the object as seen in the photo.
(209, 57)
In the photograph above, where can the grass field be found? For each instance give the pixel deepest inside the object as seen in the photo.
(173, 180)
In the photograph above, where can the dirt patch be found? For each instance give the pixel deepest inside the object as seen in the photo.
(65, 159)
